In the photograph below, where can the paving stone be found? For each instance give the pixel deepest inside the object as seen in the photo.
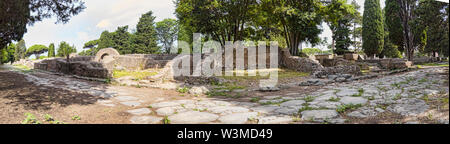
(409, 107)
(145, 120)
(275, 120)
(271, 101)
(319, 115)
(164, 104)
(166, 111)
(265, 109)
(126, 98)
(293, 103)
(272, 97)
(222, 103)
(347, 92)
(192, 117)
(325, 104)
(353, 100)
(238, 118)
(131, 103)
(141, 111)
(287, 110)
(224, 110)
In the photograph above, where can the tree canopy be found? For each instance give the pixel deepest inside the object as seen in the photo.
(167, 31)
(373, 29)
(20, 50)
(64, 50)
(15, 15)
(51, 50)
(36, 50)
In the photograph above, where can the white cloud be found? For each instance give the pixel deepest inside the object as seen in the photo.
(103, 24)
(98, 16)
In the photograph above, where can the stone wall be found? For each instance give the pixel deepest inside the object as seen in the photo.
(79, 68)
(423, 60)
(390, 63)
(297, 63)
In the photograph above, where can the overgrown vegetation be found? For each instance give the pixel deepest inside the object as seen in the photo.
(137, 75)
(346, 107)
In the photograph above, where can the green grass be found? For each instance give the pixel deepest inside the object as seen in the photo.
(309, 98)
(434, 64)
(183, 90)
(274, 103)
(30, 119)
(344, 108)
(360, 93)
(334, 99)
(255, 99)
(282, 74)
(135, 74)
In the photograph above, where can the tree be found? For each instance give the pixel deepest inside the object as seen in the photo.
(51, 50)
(7, 54)
(121, 39)
(338, 15)
(167, 31)
(357, 30)
(393, 24)
(407, 16)
(373, 30)
(390, 50)
(16, 14)
(36, 50)
(105, 41)
(145, 39)
(91, 47)
(65, 50)
(220, 20)
(298, 21)
(20, 50)
(431, 21)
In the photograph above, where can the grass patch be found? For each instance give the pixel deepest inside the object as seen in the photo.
(309, 98)
(344, 108)
(255, 99)
(360, 93)
(183, 90)
(334, 99)
(76, 118)
(138, 75)
(434, 64)
(273, 102)
(282, 74)
(30, 119)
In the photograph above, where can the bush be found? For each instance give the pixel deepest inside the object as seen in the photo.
(391, 51)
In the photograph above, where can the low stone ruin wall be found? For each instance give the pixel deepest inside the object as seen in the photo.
(394, 63)
(79, 68)
(297, 63)
(423, 60)
(137, 63)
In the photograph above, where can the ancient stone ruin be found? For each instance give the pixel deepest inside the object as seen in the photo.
(107, 60)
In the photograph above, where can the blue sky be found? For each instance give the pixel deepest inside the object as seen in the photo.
(103, 15)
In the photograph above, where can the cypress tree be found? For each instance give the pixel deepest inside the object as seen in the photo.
(394, 24)
(51, 50)
(373, 29)
(146, 38)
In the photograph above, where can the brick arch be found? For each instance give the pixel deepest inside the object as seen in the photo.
(111, 52)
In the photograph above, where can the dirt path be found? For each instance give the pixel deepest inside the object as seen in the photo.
(63, 98)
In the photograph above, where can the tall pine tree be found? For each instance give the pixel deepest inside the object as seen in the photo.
(394, 24)
(51, 50)
(373, 30)
(145, 39)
